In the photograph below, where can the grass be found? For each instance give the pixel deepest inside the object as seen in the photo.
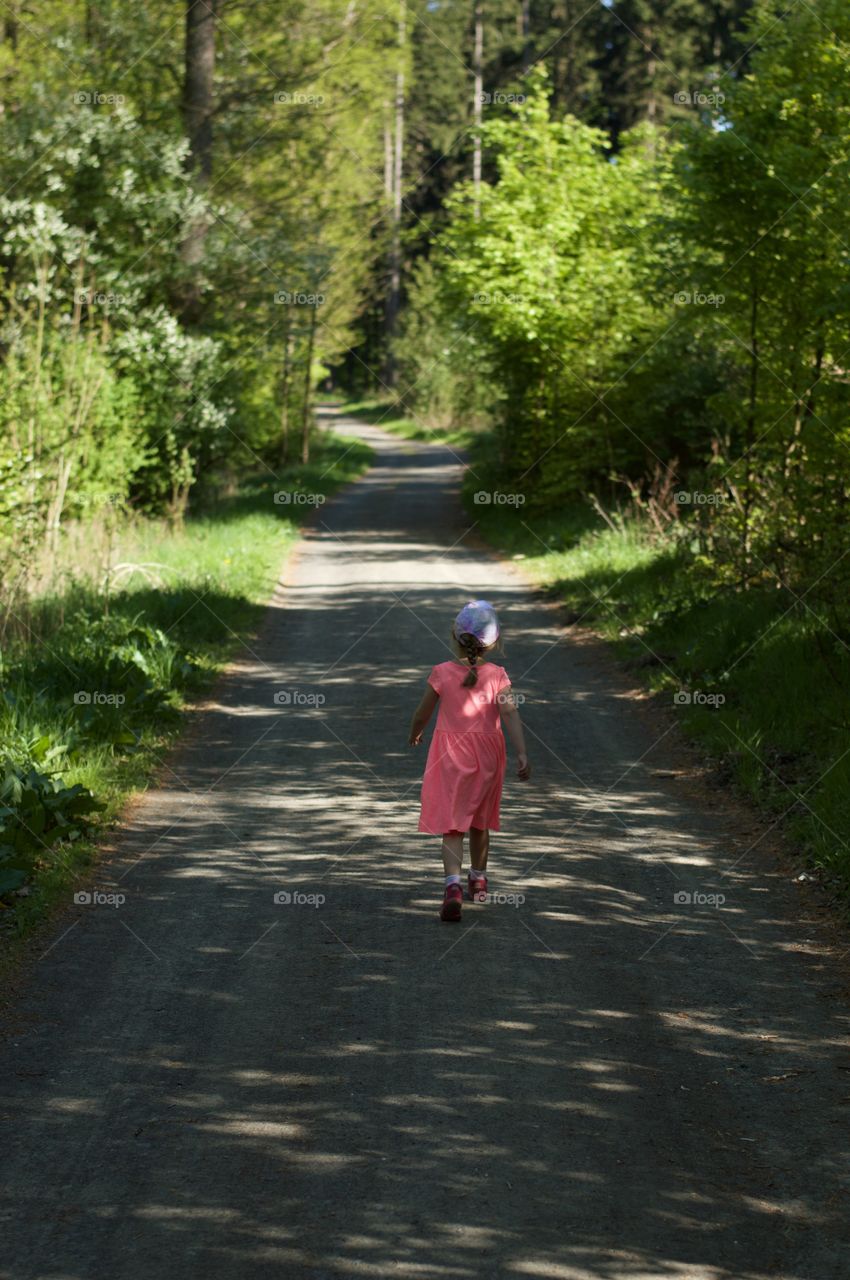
(172, 618)
(768, 680)
(392, 416)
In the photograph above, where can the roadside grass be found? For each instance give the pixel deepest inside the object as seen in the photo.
(392, 416)
(758, 679)
(154, 633)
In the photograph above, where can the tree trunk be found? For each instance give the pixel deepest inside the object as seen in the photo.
(388, 155)
(90, 22)
(283, 452)
(394, 165)
(308, 388)
(10, 27)
(525, 32)
(478, 69)
(751, 432)
(652, 112)
(197, 119)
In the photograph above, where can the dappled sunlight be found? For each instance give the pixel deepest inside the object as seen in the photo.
(316, 1078)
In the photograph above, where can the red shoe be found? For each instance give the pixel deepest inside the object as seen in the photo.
(452, 903)
(477, 889)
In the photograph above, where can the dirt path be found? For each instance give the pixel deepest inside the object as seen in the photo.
(203, 1083)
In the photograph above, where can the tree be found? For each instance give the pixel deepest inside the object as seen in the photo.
(660, 58)
(198, 106)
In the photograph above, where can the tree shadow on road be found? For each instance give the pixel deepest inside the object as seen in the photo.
(273, 1059)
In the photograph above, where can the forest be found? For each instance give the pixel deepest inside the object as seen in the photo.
(600, 249)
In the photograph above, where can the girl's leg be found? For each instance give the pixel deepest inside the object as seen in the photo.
(453, 852)
(479, 847)
(452, 859)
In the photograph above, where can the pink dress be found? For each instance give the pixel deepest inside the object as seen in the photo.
(465, 768)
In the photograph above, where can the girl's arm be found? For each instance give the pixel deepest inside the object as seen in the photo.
(513, 728)
(422, 715)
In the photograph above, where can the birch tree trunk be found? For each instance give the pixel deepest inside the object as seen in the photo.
(395, 165)
(477, 67)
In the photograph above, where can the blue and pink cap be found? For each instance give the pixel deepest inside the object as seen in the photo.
(478, 618)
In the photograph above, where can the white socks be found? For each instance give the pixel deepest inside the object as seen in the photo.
(475, 875)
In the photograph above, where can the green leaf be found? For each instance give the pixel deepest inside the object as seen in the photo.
(11, 880)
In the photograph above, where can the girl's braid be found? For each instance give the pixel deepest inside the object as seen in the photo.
(472, 648)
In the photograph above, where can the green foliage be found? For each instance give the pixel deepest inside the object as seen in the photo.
(765, 214)
(114, 396)
(98, 181)
(660, 59)
(772, 679)
(37, 811)
(92, 686)
(180, 416)
(676, 310)
(611, 65)
(660, 325)
(544, 260)
(442, 366)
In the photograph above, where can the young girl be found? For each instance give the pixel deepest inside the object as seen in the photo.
(466, 760)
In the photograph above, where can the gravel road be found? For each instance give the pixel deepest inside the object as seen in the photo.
(600, 1081)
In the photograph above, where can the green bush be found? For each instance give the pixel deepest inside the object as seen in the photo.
(37, 813)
